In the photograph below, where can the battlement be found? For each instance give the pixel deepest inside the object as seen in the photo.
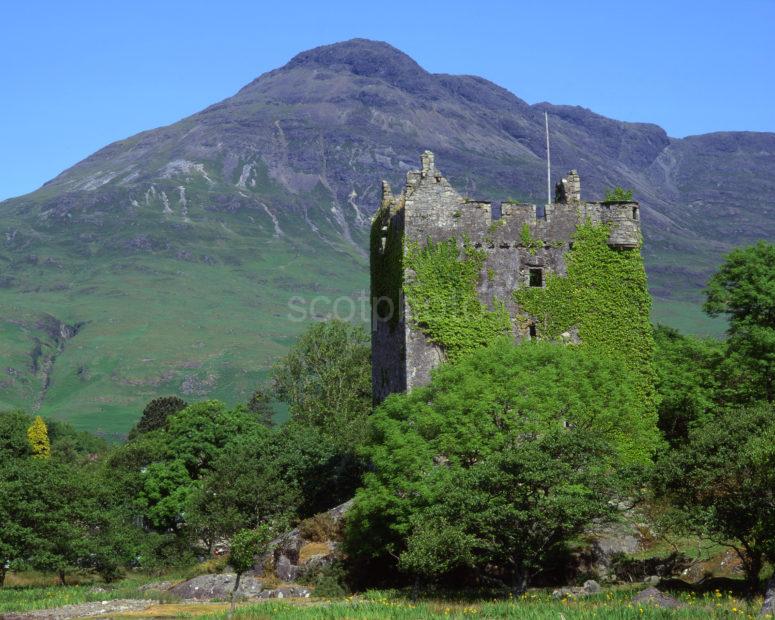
(523, 244)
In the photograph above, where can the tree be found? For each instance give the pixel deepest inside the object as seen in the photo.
(56, 519)
(37, 434)
(244, 547)
(245, 488)
(517, 509)
(196, 435)
(15, 534)
(517, 445)
(743, 289)
(13, 435)
(164, 494)
(721, 483)
(687, 380)
(156, 413)
(324, 472)
(260, 404)
(326, 380)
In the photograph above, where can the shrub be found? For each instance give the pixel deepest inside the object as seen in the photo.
(320, 528)
(618, 194)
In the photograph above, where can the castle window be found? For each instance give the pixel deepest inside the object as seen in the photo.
(635, 213)
(496, 212)
(533, 331)
(536, 277)
(383, 238)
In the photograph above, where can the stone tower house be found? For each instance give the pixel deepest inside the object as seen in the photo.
(430, 209)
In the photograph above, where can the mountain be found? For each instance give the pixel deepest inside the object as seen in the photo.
(166, 262)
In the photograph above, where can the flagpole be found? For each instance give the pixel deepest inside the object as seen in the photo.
(548, 162)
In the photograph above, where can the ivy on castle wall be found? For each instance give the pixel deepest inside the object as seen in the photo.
(443, 297)
(387, 267)
(604, 296)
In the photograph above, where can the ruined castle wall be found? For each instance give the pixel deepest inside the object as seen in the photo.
(430, 209)
(388, 338)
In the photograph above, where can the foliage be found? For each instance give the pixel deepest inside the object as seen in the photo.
(56, 518)
(319, 528)
(331, 581)
(436, 547)
(245, 488)
(13, 435)
(526, 240)
(744, 290)
(69, 444)
(326, 380)
(722, 483)
(260, 404)
(444, 301)
(387, 267)
(325, 473)
(605, 296)
(156, 413)
(246, 545)
(618, 194)
(520, 434)
(197, 434)
(37, 435)
(165, 491)
(687, 380)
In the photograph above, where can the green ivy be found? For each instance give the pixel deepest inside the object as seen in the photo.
(444, 300)
(387, 268)
(604, 296)
(526, 240)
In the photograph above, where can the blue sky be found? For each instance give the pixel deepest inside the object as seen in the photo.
(77, 75)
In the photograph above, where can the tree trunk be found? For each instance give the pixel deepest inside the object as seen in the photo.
(416, 589)
(753, 566)
(234, 595)
(519, 580)
(3, 570)
(62, 577)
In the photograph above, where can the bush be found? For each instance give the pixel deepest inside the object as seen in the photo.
(331, 582)
(499, 462)
(618, 194)
(320, 528)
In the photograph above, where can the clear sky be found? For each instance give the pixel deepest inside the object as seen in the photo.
(76, 75)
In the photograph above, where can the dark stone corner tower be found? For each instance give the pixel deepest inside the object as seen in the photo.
(430, 209)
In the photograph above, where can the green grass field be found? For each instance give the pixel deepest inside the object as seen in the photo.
(614, 604)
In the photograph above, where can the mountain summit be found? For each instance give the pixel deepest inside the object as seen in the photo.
(166, 262)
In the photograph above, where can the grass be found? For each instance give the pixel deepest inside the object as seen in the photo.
(207, 324)
(14, 598)
(614, 605)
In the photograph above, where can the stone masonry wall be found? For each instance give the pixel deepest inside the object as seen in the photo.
(429, 208)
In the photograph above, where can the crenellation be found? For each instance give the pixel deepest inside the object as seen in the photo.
(523, 246)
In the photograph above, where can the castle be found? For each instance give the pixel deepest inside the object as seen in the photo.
(520, 245)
